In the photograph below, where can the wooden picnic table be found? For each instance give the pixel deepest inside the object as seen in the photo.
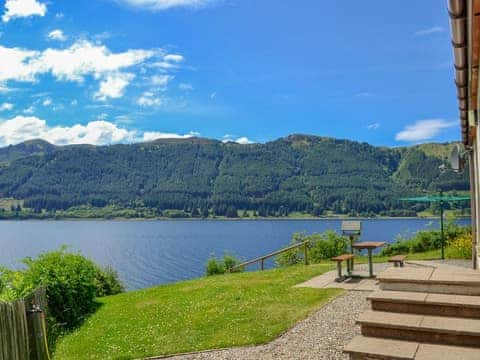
(369, 246)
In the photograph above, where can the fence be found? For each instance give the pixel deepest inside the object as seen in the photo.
(262, 259)
(23, 334)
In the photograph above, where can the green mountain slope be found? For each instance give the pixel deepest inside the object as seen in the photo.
(296, 173)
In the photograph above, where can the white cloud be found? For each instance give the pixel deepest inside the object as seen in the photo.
(429, 31)
(154, 135)
(243, 140)
(6, 106)
(176, 58)
(100, 132)
(23, 128)
(149, 99)
(161, 80)
(364, 94)
(113, 86)
(47, 102)
(185, 86)
(373, 126)
(71, 64)
(23, 8)
(57, 35)
(424, 130)
(239, 140)
(156, 5)
(30, 110)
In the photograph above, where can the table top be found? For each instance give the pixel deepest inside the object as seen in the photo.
(368, 244)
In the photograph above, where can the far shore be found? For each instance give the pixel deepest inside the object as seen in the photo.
(307, 218)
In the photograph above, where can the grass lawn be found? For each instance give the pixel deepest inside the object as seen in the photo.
(206, 313)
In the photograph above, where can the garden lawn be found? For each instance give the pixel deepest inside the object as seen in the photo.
(207, 313)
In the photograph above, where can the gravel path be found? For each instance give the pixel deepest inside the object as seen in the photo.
(321, 336)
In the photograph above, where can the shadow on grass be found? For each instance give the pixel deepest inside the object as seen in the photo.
(56, 331)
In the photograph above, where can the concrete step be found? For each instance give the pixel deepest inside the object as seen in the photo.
(366, 348)
(431, 280)
(421, 328)
(463, 306)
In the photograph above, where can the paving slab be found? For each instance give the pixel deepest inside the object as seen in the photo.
(413, 274)
(444, 277)
(388, 319)
(451, 325)
(382, 347)
(438, 352)
(454, 300)
(399, 296)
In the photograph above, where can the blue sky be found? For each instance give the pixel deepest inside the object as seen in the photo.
(107, 71)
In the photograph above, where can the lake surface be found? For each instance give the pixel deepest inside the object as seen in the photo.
(148, 253)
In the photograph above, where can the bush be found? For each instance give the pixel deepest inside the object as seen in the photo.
(72, 282)
(460, 247)
(220, 266)
(108, 282)
(214, 267)
(320, 247)
(426, 240)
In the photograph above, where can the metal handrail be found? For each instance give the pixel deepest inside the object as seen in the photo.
(261, 259)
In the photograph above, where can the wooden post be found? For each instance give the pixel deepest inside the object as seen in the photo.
(261, 264)
(305, 253)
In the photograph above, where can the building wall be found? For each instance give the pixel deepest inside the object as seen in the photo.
(475, 184)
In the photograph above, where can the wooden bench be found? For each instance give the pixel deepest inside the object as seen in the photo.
(339, 259)
(397, 260)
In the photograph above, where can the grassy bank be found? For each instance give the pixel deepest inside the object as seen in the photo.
(206, 313)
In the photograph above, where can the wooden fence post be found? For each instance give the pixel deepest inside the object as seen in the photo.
(13, 331)
(305, 253)
(35, 308)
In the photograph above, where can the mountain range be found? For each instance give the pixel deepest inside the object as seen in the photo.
(297, 173)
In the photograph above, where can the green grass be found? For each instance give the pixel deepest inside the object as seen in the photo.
(206, 313)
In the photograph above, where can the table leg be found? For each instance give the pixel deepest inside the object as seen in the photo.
(339, 269)
(351, 252)
(370, 262)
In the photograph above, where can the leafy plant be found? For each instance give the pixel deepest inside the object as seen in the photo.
(320, 247)
(72, 282)
(426, 240)
(460, 247)
(108, 282)
(220, 266)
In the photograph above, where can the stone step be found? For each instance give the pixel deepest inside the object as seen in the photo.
(431, 280)
(463, 306)
(367, 348)
(421, 328)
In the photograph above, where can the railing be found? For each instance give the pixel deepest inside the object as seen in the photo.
(22, 328)
(263, 258)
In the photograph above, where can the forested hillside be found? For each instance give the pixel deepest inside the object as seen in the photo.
(199, 177)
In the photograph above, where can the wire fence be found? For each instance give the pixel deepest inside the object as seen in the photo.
(23, 334)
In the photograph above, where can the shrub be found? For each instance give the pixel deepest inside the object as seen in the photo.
(460, 247)
(72, 282)
(214, 267)
(426, 240)
(108, 282)
(320, 247)
(220, 266)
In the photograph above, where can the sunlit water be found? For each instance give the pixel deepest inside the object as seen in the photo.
(147, 253)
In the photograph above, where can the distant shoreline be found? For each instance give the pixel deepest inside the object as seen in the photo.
(138, 219)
